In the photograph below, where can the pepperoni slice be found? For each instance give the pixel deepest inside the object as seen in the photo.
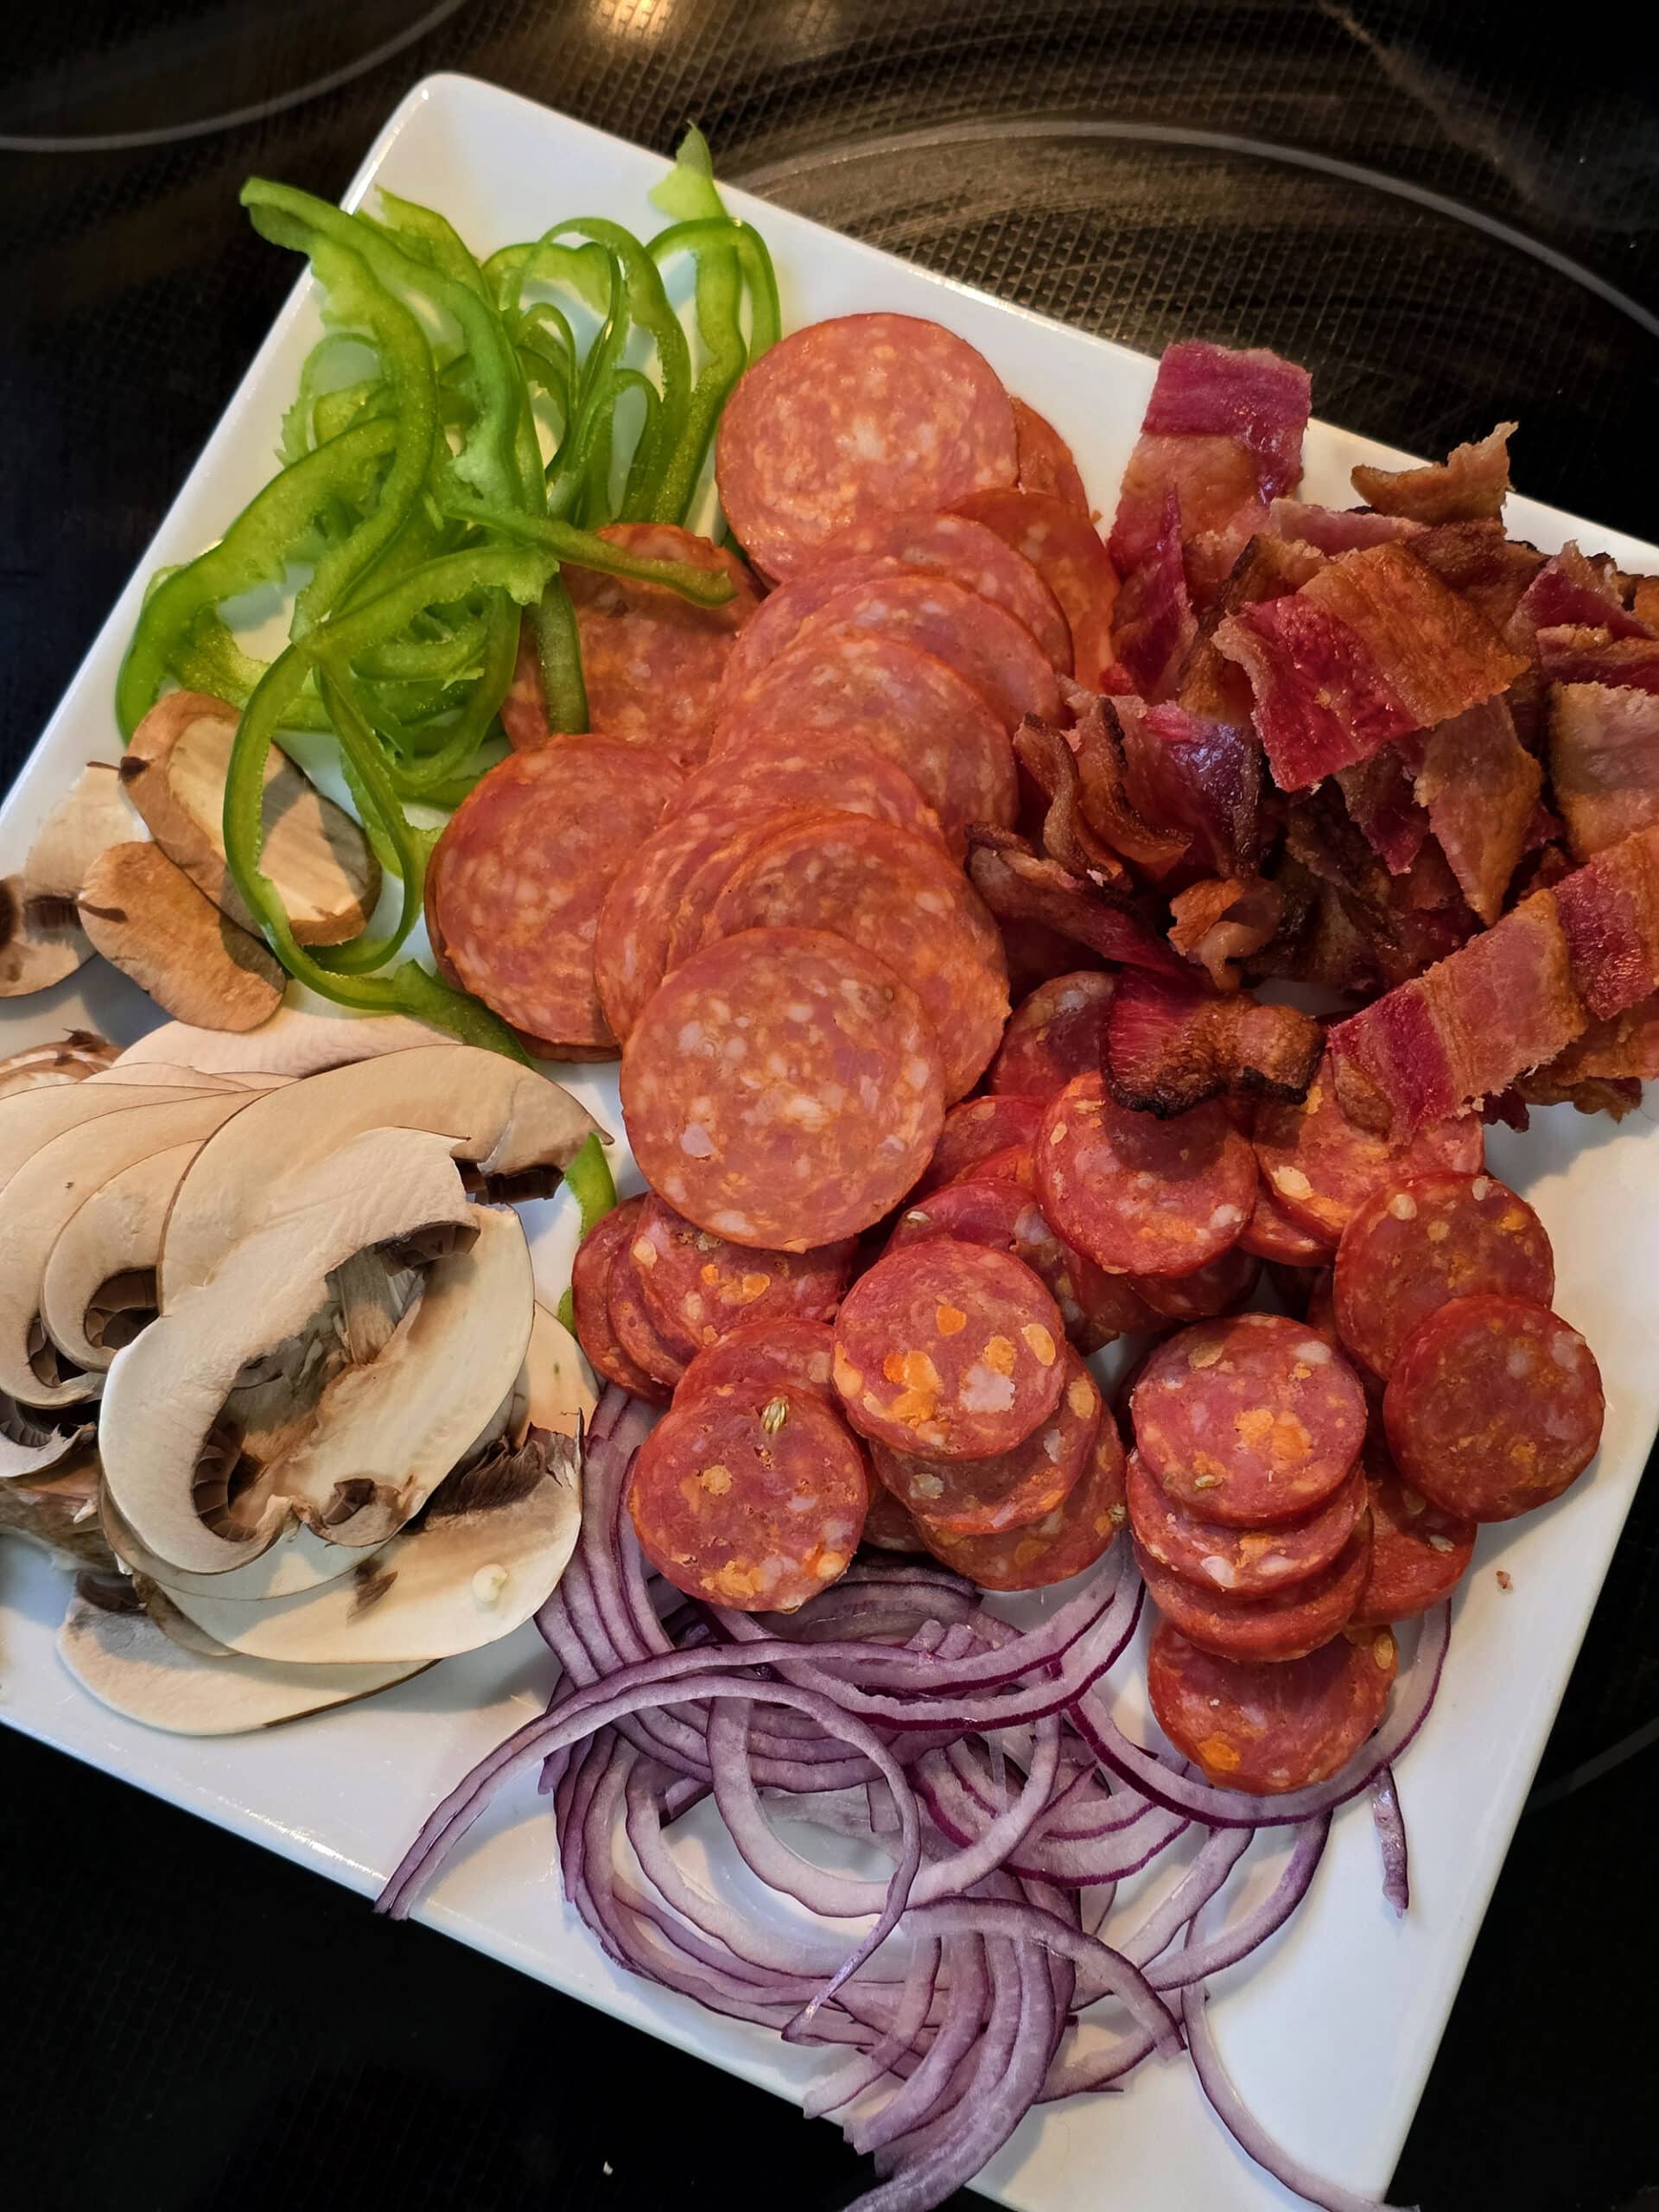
(1016, 1163)
(902, 703)
(651, 661)
(794, 1353)
(900, 899)
(948, 1350)
(785, 765)
(590, 1295)
(1287, 1625)
(887, 1525)
(518, 877)
(986, 1497)
(866, 414)
(1419, 1554)
(776, 630)
(698, 1287)
(954, 545)
(1064, 1542)
(1494, 1407)
(986, 647)
(1139, 1196)
(1417, 1245)
(750, 1498)
(1069, 554)
(1054, 1035)
(1272, 1235)
(977, 1129)
(1224, 1284)
(1268, 1729)
(1045, 463)
(636, 923)
(782, 1089)
(663, 1357)
(1251, 1421)
(1321, 1167)
(1240, 1562)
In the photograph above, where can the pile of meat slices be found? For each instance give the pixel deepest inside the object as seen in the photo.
(944, 735)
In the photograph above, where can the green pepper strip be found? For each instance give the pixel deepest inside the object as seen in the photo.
(299, 424)
(582, 549)
(558, 650)
(431, 237)
(688, 193)
(589, 1182)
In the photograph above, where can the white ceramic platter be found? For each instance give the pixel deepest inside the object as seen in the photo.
(1330, 2031)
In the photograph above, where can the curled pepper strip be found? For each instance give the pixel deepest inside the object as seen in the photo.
(582, 548)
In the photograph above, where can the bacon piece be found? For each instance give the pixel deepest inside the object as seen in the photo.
(1471, 483)
(1644, 601)
(1201, 778)
(1574, 653)
(1604, 762)
(1068, 835)
(1570, 589)
(1152, 624)
(1383, 808)
(1477, 561)
(1269, 568)
(1220, 922)
(1371, 648)
(1479, 786)
(1019, 885)
(1609, 911)
(1623, 1049)
(1166, 1047)
(1337, 530)
(1097, 745)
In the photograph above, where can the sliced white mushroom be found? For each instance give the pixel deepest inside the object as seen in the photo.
(166, 1461)
(297, 1040)
(58, 1514)
(92, 815)
(30, 1119)
(129, 1663)
(318, 858)
(147, 920)
(559, 1391)
(497, 1116)
(487, 1551)
(71, 1058)
(42, 1197)
(155, 1071)
(299, 1559)
(33, 1445)
(38, 947)
(101, 1272)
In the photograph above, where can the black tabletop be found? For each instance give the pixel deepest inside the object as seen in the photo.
(1451, 215)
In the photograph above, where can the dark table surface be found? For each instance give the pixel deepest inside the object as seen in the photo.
(1452, 215)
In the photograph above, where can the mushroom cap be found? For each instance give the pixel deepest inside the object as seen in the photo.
(31, 1447)
(299, 1559)
(36, 952)
(70, 1058)
(149, 920)
(92, 815)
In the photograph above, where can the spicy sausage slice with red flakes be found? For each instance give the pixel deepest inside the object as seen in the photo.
(1286, 1625)
(591, 1275)
(1240, 1562)
(698, 1287)
(1080, 1530)
(1420, 1553)
(982, 1497)
(1270, 1728)
(1054, 1035)
(797, 1354)
(1140, 1195)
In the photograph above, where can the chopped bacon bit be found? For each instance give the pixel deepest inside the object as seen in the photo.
(1383, 808)
(1644, 601)
(1168, 1047)
(1337, 530)
(1480, 786)
(1575, 654)
(1069, 837)
(1220, 922)
(1212, 686)
(1570, 590)
(1614, 1095)
(1477, 561)
(1254, 397)
(1614, 1054)
(1609, 911)
(1097, 747)
(1152, 625)
(1471, 483)
(1604, 762)
(1018, 886)
(1201, 778)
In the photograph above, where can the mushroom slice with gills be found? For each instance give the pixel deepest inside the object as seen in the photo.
(147, 920)
(297, 1040)
(199, 1409)
(38, 947)
(100, 1284)
(33, 1445)
(42, 1197)
(299, 1559)
(487, 1551)
(58, 1514)
(129, 1663)
(91, 816)
(315, 854)
(500, 1118)
(71, 1058)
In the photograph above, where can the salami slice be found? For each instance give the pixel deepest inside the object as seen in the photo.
(1240, 1562)
(1419, 1554)
(652, 662)
(1287, 1625)
(1054, 1035)
(794, 1353)
(636, 923)
(1252, 1421)
(1268, 1729)
(948, 1350)
(1045, 463)
(1494, 1407)
(590, 1296)
(785, 767)
(970, 555)
(518, 877)
(1079, 1532)
(1069, 554)
(1140, 1196)
(782, 1089)
(977, 1129)
(776, 630)
(1222, 1287)
(1016, 1163)
(750, 1498)
(902, 702)
(899, 897)
(698, 1288)
(1417, 1245)
(1272, 1235)
(887, 1525)
(988, 648)
(654, 1353)
(1321, 1167)
(986, 1498)
(745, 834)
(866, 414)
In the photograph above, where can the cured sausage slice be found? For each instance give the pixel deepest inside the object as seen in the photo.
(887, 1525)
(976, 1130)
(1045, 462)
(1494, 1407)
(1240, 1562)
(1272, 1235)
(664, 1358)
(866, 414)
(776, 628)
(1419, 1554)
(986, 1497)
(518, 877)
(988, 648)
(751, 1497)
(637, 920)
(948, 1350)
(1251, 1421)
(901, 899)
(1069, 554)
(903, 703)
(590, 1296)
(782, 1089)
(1139, 1196)
(652, 662)
(1079, 1531)
(1321, 1167)
(1270, 1729)
(1017, 1163)
(1417, 1245)
(954, 545)
(1219, 1287)
(1054, 1035)
(782, 766)
(698, 1287)
(796, 1353)
(1285, 1626)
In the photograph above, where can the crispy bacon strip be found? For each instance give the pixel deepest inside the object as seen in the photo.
(1477, 561)
(1211, 686)
(1153, 623)
(1624, 1047)
(1019, 885)
(1166, 1047)
(1068, 835)
(1472, 482)
(1644, 601)
(1609, 912)
(1604, 762)
(1200, 778)
(1097, 748)
(1220, 922)
(1479, 787)
(1385, 809)
(1337, 530)
(1570, 589)
(1574, 653)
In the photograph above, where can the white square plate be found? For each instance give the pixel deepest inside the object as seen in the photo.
(1330, 2031)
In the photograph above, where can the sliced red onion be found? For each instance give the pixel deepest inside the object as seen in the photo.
(864, 2072)
(911, 2106)
(1202, 1880)
(1390, 1824)
(1247, 1934)
(1079, 1864)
